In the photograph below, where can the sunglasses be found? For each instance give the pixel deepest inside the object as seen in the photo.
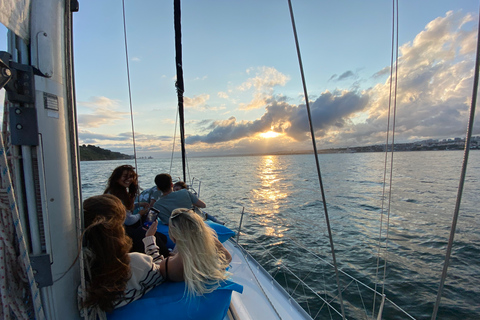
(177, 212)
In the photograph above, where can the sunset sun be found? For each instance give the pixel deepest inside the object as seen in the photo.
(269, 134)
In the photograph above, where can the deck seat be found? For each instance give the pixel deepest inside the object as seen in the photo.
(167, 301)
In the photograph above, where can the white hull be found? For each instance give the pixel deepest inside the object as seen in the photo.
(262, 297)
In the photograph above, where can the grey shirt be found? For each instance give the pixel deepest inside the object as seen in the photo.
(178, 199)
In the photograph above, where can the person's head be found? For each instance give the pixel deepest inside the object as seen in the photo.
(164, 182)
(107, 246)
(203, 263)
(179, 185)
(123, 177)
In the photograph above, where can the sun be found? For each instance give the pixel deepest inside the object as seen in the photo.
(269, 134)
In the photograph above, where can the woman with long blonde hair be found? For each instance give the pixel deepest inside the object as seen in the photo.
(199, 259)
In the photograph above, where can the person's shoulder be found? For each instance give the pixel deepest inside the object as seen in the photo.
(138, 260)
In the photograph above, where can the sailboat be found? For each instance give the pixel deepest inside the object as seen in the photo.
(41, 189)
(40, 173)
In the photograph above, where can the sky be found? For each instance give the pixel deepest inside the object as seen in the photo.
(243, 86)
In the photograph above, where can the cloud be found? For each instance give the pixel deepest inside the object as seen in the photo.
(136, 59)
(222, 95)
(343, 76)
(329, 110)
(196, 102)
(435, 76)
(104, 112)
(262, 85)
(89, 137)
(199, 103)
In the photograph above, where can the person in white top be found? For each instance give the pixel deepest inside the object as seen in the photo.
(115, 277)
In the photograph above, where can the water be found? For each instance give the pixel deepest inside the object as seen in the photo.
(283, 205)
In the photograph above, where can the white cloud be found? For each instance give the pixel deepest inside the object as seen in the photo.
(104, 112)
(435, 78)
(262, 84)
(222, 95)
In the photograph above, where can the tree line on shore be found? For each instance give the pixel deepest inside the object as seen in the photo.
(91, 152)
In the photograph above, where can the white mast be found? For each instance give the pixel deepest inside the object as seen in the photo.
(46, 142)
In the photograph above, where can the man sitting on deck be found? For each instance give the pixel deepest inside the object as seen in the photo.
(170, 200)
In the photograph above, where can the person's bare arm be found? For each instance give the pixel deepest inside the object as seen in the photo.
(224, 250)
(200, 204)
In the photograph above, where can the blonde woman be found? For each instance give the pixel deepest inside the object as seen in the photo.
(199, 259)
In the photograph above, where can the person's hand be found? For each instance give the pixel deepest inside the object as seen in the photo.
(145, 205)
(152, 229)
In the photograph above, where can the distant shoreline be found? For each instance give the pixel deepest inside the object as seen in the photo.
(456, 144)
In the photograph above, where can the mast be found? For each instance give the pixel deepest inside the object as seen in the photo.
(42, 137)
(179, 82)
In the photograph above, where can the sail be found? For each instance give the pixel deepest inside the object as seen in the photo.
(14, 14)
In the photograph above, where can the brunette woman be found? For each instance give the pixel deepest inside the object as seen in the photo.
(115, 276)
(123, 183)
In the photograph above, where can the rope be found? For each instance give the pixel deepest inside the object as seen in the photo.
(392, 65)
(316, 157)
(462, 178)
(11, 292)
(129, 86)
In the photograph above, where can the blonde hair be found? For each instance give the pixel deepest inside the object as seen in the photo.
(203, 263)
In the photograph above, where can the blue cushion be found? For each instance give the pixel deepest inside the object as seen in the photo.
(167, 301)
(223, 232)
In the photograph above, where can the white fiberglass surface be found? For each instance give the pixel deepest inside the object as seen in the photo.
(262, 297)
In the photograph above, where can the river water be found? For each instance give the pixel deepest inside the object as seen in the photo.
(283, 209)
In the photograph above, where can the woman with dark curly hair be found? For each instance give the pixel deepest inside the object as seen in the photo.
(115, 276)
(123, 183)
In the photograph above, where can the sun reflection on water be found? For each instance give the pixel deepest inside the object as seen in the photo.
(269, 194)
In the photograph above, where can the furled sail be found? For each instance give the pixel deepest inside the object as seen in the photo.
(14, 14)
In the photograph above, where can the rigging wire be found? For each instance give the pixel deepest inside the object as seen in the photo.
(462, 178)
(129, 86)
(316, 157)
(174, 137)
(393, 66)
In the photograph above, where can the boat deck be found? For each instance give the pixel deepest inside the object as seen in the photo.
(262, 297)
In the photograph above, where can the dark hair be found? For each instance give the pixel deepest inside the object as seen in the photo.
(113, 187)
(163, 182)
(105, 239)
(180, 184)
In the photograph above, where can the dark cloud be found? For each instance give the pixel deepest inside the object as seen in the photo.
(343, 76)
(329, 110)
